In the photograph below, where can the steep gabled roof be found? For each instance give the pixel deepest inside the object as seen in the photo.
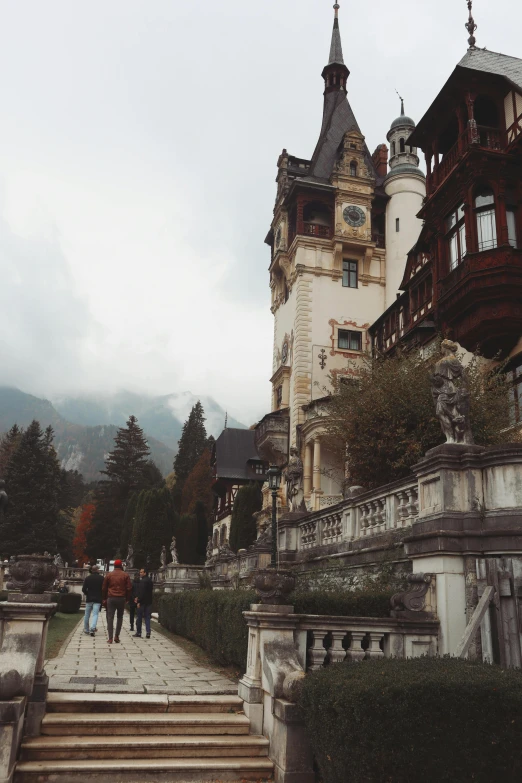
(232, 452)
(493, 62)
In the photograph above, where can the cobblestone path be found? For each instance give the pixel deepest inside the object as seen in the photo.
(155, 665)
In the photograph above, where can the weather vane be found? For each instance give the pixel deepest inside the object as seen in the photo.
(402, 101)
(471, 27)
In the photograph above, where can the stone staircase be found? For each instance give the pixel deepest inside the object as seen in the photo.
(138, 738)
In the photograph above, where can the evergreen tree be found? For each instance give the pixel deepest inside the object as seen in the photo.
(127, 471)
(243, 531)
(32, 477)
(153, 475)
(8, 444)
(154, 526)
(203, 530)
(186, 532)
(192, 444)
(198, 486)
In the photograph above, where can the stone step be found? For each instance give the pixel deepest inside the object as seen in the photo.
(143, 747)
(139, 703)
(124, 723)
(181, 770)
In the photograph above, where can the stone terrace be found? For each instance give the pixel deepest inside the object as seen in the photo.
(155, 665)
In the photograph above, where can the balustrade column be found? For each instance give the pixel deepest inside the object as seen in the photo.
(317, 465)
(374, 649)
(317, 652)
(337, 653)
(308, 467)
(355, 652)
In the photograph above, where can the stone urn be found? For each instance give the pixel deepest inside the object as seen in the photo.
(273, 586)
(32, 573)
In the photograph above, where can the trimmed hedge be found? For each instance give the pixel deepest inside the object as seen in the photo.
(213, 619)
(69, 603)
(428, 719)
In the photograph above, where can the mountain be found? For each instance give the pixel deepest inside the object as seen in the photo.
(161, 417)
(79, 447)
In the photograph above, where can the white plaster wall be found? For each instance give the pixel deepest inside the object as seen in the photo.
(406, 195)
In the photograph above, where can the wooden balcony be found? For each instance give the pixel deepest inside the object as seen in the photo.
(479, 301)
(483, 138)
(317, 230)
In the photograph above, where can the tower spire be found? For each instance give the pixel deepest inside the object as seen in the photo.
(471, 26)
(402, 103)
(336, 49)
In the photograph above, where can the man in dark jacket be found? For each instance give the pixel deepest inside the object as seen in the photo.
(132, 603)
(116, 590)
(144, 602)
(92, 588)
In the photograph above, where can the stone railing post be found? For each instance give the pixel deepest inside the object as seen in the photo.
(275, 666)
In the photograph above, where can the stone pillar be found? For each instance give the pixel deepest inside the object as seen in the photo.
(317, 466)
(308, 469)
(275, 663)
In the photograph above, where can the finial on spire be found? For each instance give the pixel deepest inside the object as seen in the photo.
(226, 419)
(471, 26)
(336, 49)
(402, 103)
(336, 9)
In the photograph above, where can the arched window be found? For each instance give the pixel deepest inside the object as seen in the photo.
(394, 148)
(486, 219)
(402, 145)
(456, 236)
(353, 169)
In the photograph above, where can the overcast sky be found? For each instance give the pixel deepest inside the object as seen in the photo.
(138, 150)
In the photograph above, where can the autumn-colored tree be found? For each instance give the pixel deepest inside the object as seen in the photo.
(198, 486)
(80, 538)
(382, 418)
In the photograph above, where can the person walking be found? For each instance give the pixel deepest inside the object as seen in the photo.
(144, 602)
(92, 589)
(132, 603)
(116, 591)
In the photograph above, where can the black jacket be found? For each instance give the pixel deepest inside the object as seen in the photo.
(144, 591)
(92, 587)
(135, 588)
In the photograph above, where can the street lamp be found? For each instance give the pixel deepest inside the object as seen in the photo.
(274, 481)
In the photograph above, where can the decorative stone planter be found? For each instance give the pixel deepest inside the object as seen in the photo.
(32, 574)
(273, 586)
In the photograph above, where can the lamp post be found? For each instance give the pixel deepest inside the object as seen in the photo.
(274, 481)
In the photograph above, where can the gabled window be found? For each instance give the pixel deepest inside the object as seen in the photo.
(456, 236)
(486, 219)
(350, 274)
(349, 341)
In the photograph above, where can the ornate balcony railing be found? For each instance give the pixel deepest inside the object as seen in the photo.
(379, 239)
(317, 230)
(482, 136)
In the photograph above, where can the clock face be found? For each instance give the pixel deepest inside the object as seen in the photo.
(284, 353)
(354, 216)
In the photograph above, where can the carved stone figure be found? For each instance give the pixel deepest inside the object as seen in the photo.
(163, 557)
(58, 560)
(451, 396)
(294, 482)
(210, 547)
(174, 552)
(130, 557)
(32, 573)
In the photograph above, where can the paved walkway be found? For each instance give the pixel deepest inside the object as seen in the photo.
(155, 665)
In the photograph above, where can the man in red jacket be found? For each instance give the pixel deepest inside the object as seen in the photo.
(116, 591)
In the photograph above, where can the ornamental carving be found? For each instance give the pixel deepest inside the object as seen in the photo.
(412, 601)
(274, 587)
(32, 573)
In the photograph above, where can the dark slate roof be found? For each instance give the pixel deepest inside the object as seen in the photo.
(401, 121)
(338, 118)
(493, 62)
(233, 450)
(336, 49)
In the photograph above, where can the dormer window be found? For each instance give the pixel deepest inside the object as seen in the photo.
(353, 169)
(486, 219)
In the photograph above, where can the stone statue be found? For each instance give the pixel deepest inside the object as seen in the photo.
(174, 552)
(163, 557)
(58, 561)
(130, 557)
(3, 497)
(294, 482)
(451, 395)
(210, 548)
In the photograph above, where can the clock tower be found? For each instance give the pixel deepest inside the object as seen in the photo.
(327, 277)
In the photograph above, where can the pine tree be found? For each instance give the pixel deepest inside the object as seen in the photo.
(192, 444)
(128, 523)
(32, 477)
(154, 526)
(243, 529)
(153, 475)
(203, 530)
(127, 471)
(198, 486)
(186, 532)
(8, 444)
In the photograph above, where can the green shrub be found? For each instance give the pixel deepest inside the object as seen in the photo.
(428, 719)
(69, 603)
(213, 619)
(370, 602)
